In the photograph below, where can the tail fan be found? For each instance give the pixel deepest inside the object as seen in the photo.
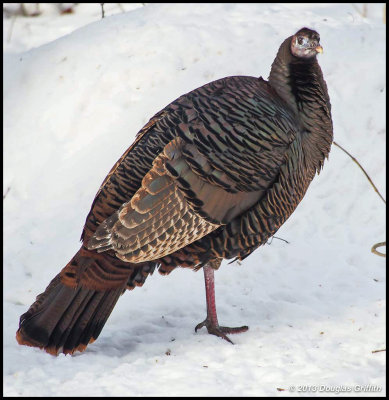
(66, 319)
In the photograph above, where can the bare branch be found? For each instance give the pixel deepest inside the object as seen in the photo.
(375, 251)
(11, 27)
(276, 237)
(6, 192)
(360, 166)
(374, 248)
(377, 351)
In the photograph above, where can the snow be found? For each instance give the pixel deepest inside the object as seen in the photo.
(78, 88)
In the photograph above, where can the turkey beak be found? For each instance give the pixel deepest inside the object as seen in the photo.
(319, 49)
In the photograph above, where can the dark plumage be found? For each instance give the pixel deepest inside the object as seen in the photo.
(211, 176)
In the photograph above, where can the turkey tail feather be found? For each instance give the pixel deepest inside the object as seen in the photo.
(65, 319)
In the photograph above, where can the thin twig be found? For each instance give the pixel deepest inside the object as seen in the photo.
(377, 351)
(6, 192)
(13, 20)
(374, 248)
(363, 170)
(375, 251)
(276, 237)
(102, 10)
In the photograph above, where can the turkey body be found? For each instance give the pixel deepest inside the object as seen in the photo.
(211, 176)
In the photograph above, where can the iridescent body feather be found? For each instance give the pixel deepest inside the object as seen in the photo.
(212, 176)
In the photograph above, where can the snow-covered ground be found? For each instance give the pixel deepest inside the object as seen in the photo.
(73, 104)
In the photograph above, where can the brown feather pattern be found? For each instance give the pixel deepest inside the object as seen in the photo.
(157, 221)
(213, 175)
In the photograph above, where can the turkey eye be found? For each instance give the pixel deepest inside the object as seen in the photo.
(300, 40)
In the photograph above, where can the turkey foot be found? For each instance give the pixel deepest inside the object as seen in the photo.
(221, 331)
(211, 322)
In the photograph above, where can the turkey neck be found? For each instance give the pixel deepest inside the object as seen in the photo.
(300, 83)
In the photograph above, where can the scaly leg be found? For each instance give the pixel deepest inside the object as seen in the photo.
(211, 322)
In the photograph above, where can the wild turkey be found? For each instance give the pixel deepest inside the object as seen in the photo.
(212, 176)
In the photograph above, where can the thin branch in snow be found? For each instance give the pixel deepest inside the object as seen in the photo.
(276, 237)
(6, 192)
(374, 248)
(377, 351)
(363, 170)
(102, 10)
(375, 251)
(13, 20)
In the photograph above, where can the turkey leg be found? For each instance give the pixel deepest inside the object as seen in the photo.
(211, 322)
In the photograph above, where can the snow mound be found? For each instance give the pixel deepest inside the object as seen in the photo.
(315, 306)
